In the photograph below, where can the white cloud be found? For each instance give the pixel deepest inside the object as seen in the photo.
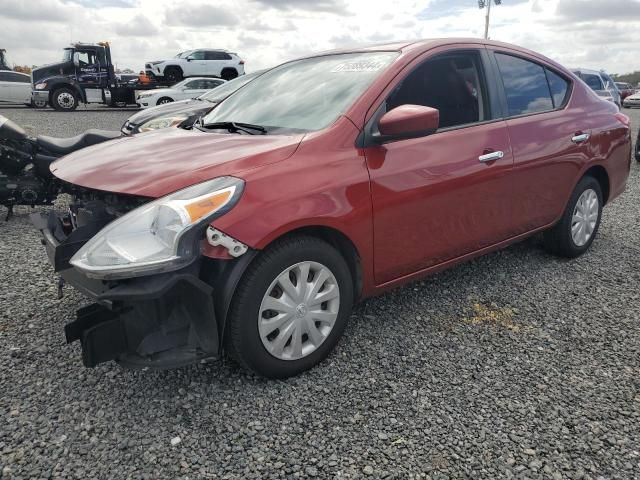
(266, 32)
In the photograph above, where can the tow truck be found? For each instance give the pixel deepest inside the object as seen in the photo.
(85, 75)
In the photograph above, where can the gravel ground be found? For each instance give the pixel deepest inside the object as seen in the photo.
(517, 365)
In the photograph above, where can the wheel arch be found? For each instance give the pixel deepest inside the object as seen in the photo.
(172, 66)
(230, 69)
(224, 276)
(600, 174)
(57, 85)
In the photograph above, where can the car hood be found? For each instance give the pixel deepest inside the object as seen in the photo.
(188, 107)
(163, 161)
(635, 96)
(160, 91)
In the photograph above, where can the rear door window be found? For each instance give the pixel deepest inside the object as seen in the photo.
(212, 55)
(525, 85)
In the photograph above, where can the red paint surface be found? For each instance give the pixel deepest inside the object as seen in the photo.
(409, 207)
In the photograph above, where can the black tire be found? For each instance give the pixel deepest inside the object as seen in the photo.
(38, 104)
(163, 100)
(229, 74)
(64, 100)
(173, 75)
(559, 239)
(242, 337)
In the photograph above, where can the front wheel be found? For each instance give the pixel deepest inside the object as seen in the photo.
(164, 100)
(64, 100)
(290, 308)
(574, 233)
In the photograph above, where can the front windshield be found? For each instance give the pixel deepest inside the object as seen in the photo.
(308, 94)
(183, 54)
(67, 56)
(223, 91)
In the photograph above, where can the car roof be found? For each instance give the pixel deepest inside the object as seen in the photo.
(420, 45)
(587, 70)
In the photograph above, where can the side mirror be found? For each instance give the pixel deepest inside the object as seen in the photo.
(189, 58)
(408, 121)
(76, 59)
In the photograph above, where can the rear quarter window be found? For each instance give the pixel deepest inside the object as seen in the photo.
(559, 88)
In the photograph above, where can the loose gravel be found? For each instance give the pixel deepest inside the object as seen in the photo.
(516, 365)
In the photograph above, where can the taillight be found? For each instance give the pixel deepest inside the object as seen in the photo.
(241, 62)
(624, 119)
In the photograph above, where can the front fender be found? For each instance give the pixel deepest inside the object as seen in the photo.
(56, 82)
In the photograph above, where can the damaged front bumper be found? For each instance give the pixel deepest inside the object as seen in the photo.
(162, 321)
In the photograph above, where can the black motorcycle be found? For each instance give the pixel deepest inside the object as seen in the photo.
(25, 178)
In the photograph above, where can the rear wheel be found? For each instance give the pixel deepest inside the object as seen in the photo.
(229, 74)
(290, 308)
(574, 233)
(64, 100)
(173, 75)
(164, 100)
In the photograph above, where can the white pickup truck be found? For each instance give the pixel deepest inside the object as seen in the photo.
(202, 62)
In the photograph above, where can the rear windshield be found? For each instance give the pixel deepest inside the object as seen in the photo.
(593, 81)
(304, 95)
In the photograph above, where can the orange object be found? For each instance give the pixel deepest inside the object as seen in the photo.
(206, 205)
(143, 78)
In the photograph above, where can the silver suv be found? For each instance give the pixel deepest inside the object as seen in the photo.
(601, 83)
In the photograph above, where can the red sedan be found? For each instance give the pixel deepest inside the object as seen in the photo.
(324, 181)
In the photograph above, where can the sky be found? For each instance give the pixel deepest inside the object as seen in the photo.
(577, 33)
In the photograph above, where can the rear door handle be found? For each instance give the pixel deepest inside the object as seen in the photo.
(580, 138)
(490, 157)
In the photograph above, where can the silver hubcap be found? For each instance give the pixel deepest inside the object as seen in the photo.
(66, 100)
(299, 311)
(585, 217)
(162, 102)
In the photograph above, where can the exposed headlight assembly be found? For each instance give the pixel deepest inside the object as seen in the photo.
(41, 86)
(146, 95)
(164, 122)
(161, 236)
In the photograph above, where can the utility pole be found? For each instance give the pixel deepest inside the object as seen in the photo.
(487, 4)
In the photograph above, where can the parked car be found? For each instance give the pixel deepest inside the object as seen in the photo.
(625, 89)
(599, 84)
(632, 101)
(15, 87)
(354, 172)
(197, 63)
(184, 112)
(187, 89)
(612, 87)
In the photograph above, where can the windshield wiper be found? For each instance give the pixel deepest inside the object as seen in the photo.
(237, 127)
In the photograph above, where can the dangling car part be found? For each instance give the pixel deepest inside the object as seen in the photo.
(25, 178)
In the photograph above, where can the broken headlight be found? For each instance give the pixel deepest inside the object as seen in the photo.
(160, 236)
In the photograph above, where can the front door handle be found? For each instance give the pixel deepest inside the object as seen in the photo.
(580, 138)
(490, 157)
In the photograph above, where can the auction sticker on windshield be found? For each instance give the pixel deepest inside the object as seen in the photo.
(370, 66)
